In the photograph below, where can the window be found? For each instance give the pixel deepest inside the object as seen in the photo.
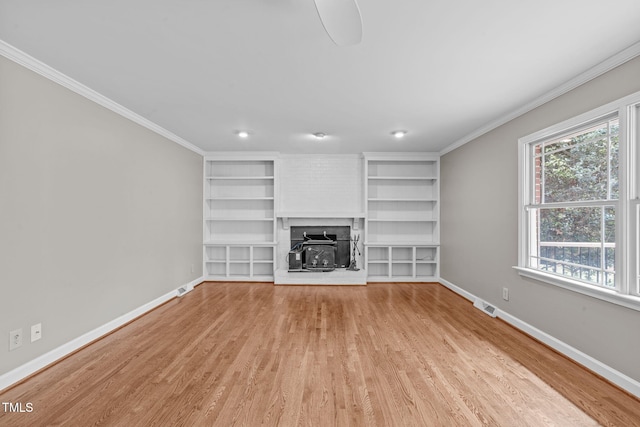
(575, 180)
(579, 211)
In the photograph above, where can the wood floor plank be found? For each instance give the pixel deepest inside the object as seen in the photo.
(381, 355)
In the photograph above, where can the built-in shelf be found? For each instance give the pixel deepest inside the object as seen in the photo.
(239, 198)
(238, 243)
(239, 178)
(403, 178)
(402, 211)
(387, 243)
(239, 220)
(242, 212)
(252, 262)
(401, 200)
(401, 220)
(389, 263)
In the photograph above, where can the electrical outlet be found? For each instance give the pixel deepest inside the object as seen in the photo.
(36, 332)
(15, 339)
(505, 294)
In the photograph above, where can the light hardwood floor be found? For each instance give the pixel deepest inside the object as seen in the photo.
(253, 354)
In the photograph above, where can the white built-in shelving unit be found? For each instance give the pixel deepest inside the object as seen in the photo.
(239, 216)
(402, 216)
(242, 207)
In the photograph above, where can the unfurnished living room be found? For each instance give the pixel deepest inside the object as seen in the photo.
(319, 212)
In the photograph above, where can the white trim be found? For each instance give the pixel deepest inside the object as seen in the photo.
(596, 71)
(628, 301)
(624, 108)
(253, 279)
(320, 156)
(616, 377)
(29, 62)
(592, 116)
(56, 354)
(458, 290)
(241, 155)
(417, 156)
(199, 281)
(291, 214)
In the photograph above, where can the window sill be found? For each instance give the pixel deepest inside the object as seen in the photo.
(628, 301)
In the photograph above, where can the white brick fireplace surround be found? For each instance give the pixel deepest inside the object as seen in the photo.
(319, 190)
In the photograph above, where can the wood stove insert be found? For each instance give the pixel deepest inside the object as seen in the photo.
(319, 248)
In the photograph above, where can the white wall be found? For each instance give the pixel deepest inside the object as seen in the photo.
(479, 186)
(98, 215)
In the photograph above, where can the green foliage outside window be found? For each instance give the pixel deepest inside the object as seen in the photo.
(576, 168)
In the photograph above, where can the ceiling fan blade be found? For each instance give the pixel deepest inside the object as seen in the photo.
(341, 20)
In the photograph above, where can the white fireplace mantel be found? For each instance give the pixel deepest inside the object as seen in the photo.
(285, 216)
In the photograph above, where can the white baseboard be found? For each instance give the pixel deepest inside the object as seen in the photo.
(458, 290)
(618, 378)
(56, 354)
(183, 290)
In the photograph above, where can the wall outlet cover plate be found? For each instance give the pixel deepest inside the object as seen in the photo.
(15, 339)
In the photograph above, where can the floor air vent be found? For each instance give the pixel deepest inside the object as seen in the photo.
(485, 307)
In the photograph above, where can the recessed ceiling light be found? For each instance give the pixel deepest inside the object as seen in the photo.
(320, 135)
(399, 133)
(243, 134)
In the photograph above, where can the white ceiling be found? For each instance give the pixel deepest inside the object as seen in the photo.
(204, 69)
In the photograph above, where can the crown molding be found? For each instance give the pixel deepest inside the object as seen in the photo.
(320, 156)
(596, 71)
(401, 155)
(16, 55)
(241, 155)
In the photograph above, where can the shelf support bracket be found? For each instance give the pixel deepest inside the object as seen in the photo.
(355, 223)
(285, 222)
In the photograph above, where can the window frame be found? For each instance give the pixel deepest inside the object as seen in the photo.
(627, 264)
